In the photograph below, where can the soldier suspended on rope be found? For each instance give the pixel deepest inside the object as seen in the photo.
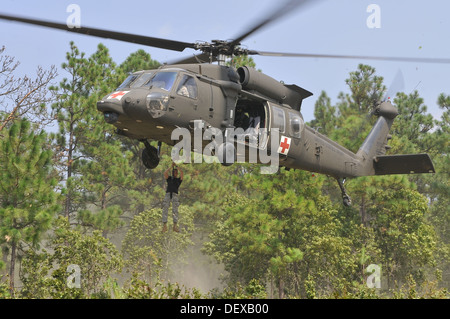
(173, 183)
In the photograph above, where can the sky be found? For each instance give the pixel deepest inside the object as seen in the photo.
(407, 28)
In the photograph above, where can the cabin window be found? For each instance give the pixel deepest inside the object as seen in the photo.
(187, 87)
(296, 125)
(278, 118)
(162, 80)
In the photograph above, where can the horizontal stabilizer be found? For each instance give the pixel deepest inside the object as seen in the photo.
(403, 164)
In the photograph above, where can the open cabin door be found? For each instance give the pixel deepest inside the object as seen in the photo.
(251, 122)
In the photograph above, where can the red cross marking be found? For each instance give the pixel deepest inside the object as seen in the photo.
(117, 95)
(284, 145)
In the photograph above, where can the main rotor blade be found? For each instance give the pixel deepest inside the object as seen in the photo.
(127, 37)
(357, 57)
(288, 7)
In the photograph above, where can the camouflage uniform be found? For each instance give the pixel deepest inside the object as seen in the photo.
(173, 183)
(166, 204)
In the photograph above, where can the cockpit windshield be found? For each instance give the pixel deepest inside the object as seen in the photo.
(142, 79)
(128, 81)
(162, 80)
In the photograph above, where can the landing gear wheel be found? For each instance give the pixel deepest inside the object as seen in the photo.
(150, 157)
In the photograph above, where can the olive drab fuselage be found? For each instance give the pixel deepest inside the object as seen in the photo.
(149, 105)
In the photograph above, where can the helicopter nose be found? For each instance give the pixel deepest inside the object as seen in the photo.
(111, 109)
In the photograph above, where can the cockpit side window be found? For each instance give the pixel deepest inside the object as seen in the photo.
(187, 87)
(162, 80)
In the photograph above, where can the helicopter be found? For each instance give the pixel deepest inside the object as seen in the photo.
(243, 110)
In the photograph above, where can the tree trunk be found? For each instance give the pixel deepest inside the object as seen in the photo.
(362, 211)
(280, 288)
(68, 202)
(12, 268)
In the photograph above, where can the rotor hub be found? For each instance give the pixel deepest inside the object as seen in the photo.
(221, 47)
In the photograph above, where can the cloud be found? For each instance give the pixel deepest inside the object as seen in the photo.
(165, 30)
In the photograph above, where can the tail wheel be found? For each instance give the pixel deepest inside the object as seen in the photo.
(347, 201)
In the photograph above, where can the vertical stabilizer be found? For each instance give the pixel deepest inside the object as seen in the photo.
(372, 153)
(375, 143)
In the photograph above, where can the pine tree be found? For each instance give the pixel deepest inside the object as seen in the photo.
(137, 61)
(105, 169)
(87, 142)
(324, 115)
(69, 111)
(28, 201)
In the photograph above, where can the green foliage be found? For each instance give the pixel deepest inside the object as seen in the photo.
(242, 60)
(46, 273)
(258, 236)
(84, 140)
(366, 89)
(4, 289)
(28, 201)
(390, 218)
(253, 290)
(149, 252)
(139, 289)
(428, 290)
(324, 115)
(137, 61)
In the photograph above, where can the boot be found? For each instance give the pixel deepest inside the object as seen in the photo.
(164, 229)
(175, 228)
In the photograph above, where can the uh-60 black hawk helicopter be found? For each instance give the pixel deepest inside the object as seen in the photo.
(195, 94)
